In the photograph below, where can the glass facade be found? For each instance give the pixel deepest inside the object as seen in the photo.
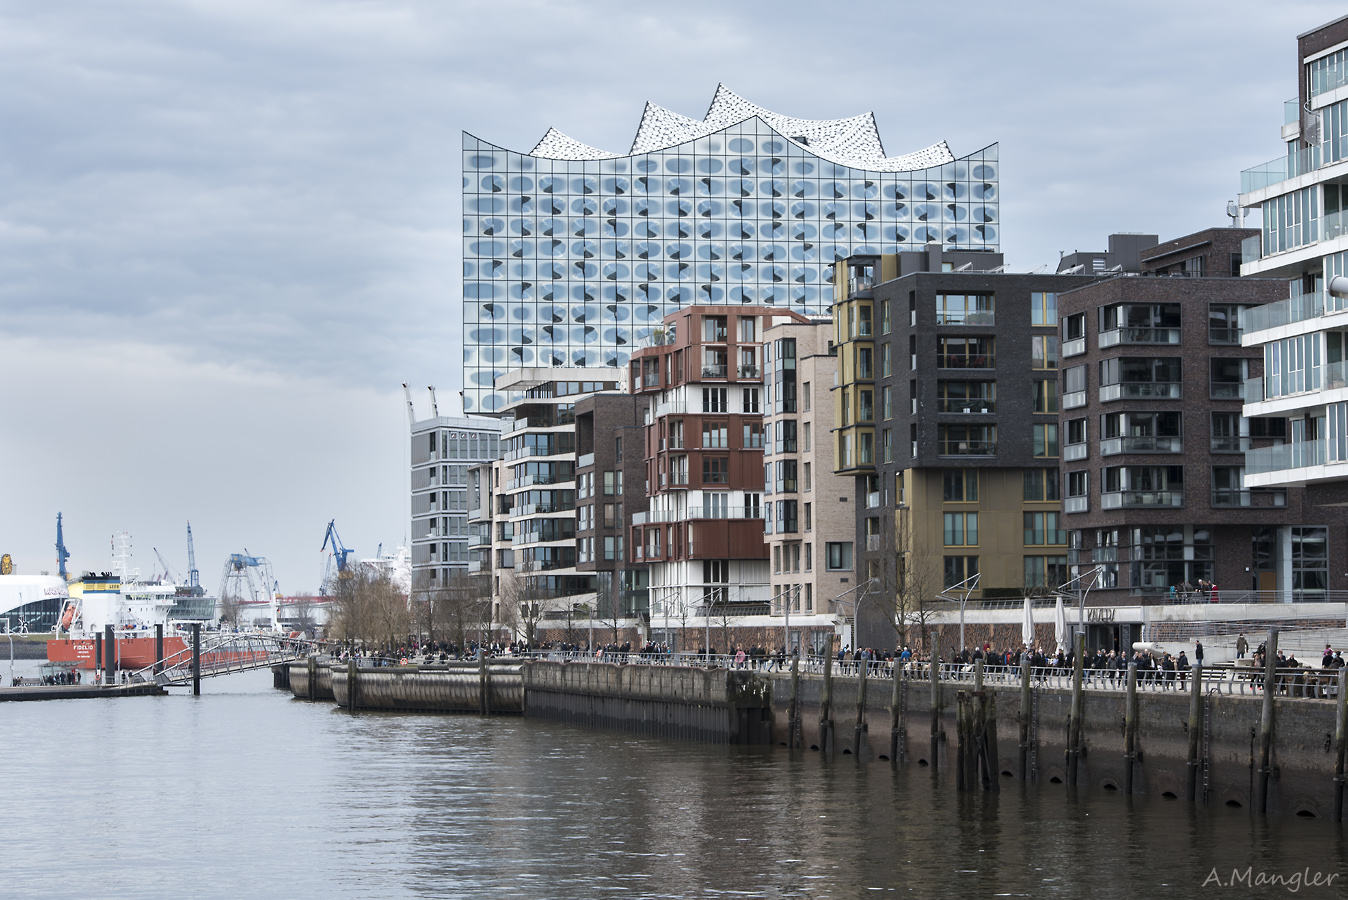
(572, 255)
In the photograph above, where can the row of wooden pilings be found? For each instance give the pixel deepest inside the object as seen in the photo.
(976, 758)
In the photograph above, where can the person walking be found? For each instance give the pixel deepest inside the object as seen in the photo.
(1242, 647)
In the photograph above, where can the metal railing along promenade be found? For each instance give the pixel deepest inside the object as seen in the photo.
(224, 654)
(1304, 682)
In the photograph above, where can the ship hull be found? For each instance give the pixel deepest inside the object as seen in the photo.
(132, 652)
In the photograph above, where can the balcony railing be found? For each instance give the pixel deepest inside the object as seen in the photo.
(1073, 399)
(1076, 504)
(585, 460)
(671, 408)
(748, 371)
(713, 371)
(1140, 499)
(1141, 444)
(952, 361)
(1286, 456)
(1291, 111)
(1074, 347)
(1324, 78)
(855, 285)
(1229, 443)
(1289, 165)
(967, 448)
(1330, 376)
(957, 405)
(873, 542)
(650, 379)
(1139, 336)
(1227, 390)
(1225, 334)
(873, 500)
(1251, 250)
(975, 317)
(1140, 390)
(1071, 452)
(705, 511)
(1232, 497)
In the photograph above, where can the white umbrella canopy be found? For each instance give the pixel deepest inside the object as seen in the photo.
(1027, 627)
(1060, 626)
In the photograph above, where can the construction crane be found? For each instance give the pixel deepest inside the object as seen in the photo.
(193, 576)
(168, 570)
(62, 554)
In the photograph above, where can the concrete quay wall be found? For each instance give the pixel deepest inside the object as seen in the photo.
(428, 688)
(712, 705)
(1303, 755)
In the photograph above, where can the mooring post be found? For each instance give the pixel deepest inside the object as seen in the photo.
(109, 656)
(859, 735)
(1266, 720)
(1340, 740)
(351, 684)
(312, 665)
(196, 659)
(1195, 728)
(1074, 726)
(935, 698)
(158, 647)
(98, 653)
(962, 748)
(895, 714)
(825, 720)
(1025, 659)
(793, 711)
(990, 753)
(484, 681)
(1130, 728)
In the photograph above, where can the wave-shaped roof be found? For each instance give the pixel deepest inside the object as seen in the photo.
(853, 141)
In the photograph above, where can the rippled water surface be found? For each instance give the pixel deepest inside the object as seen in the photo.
(244, 792)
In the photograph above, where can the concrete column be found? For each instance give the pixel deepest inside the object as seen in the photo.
(158, 647)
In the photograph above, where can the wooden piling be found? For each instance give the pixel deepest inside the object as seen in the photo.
(196, 659)
(311, 683)
(1074, 723)
(991, 753)
(1130, 729)
(351, 684)
(793, 712)
(896, 741)
(1340, 741)
(859, 735)
(1024, 717)
(962, 748)
(484, 682)
(1195, 729)
(935, 667)
(825, 714)
(1266, 721)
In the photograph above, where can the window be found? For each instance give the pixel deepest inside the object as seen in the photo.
(1227, 378)
(864, 320)
(809, 519)
(1076, 434)
(961, 529)
(1224, 323)
(748, 329)
(965, 352)
(1045, 571)
(1141, 432)
(807, 397)
(715, 435)
(865, 406)
(966, 396)
(753, 436)
(959, 485)
(884, 317)
(618, 449)
(753, 508)
(960, 569)
(1228, 486)
(887, 445)
(1040, 486)
(1310, 561)
(886, 407)
(786, 476)
(1044, 309)
(1292, 365)
(1046, 396)
(1074, 387)
(806, 443)
(864, 368)
(965, 309)
(1078, 483)
(715, 470)
(750, 399)
(1140, 377)
(1046, 441)
(1043, 528)
(967, 440)
(808, 485)
(1044, 352)
(610, 515)
(713, 400)
(1230, 433)
(613, 483)
(839, 555)
(786, 436)
(714, 329)
(1074, 328)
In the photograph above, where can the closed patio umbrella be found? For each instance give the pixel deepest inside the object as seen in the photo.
(1060, 626)
(1027, 627)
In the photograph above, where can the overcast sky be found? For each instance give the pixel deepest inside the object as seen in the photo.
(229, 229)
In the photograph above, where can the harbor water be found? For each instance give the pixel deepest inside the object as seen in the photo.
(246, 792)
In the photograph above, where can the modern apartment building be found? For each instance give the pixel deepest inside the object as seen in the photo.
(1123, 256)
(702, 536)
(1303, 196)
(573, 255)
(1153, 440)
(444, 448)
(947, 422)
(610, 489)
(809, 525)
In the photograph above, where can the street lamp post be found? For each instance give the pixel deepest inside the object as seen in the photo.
(869, 585)
(1081, 592)
(968, 586)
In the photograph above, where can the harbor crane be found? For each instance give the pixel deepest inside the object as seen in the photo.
(339, 550)
(62, 554)
(168, 570)
(193, 576)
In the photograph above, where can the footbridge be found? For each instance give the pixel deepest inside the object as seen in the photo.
(226, 653)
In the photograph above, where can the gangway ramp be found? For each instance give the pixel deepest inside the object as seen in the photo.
(224, 654)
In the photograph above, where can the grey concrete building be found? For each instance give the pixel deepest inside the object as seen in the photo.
(1124, 255)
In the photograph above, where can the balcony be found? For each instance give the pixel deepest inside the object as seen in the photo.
(1073, 399)
(1291, 111)
(1140, 390)
(748, 371)
(873, 500)
(1225, 335)
(1289, 165)
(953, 361)
(1286, 456)
(1074, 347)
(962, 406)
(967, 448)
(1139, 336)
(650, 380)
(1141, 444)
(671, 408)
(1076, 504)
(1229, 443)
(859, 284)
(1230, 498)
(1331, 376)
(1073, 452)
(874, 542)
(982, 317)
(1284, 312)
(1326, 228)
(585, 461)
(1141, 499)
(713, 371)
(1227, 390)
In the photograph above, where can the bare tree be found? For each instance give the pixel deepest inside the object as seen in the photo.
(369, 606)
(302, 611)
(918, 579)
(524, 601)
(230, 609)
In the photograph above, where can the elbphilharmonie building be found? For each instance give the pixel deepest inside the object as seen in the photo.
(572, 254)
